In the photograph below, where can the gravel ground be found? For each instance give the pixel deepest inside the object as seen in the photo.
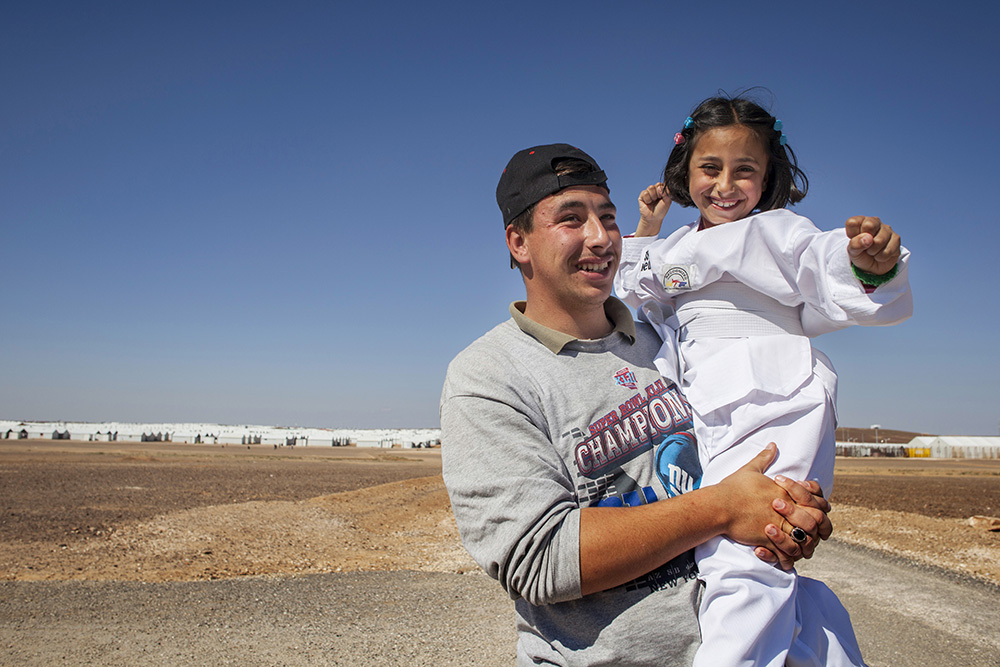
(391, 619)
(178, 554)
(903, 614)
(906, 614)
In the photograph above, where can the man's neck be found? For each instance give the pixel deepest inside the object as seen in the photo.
(587, 322)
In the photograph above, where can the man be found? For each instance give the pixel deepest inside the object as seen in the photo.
(565, 453)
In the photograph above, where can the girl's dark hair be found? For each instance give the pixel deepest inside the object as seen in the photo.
(786, 183)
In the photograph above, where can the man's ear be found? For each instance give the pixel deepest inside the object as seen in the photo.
(517, 243)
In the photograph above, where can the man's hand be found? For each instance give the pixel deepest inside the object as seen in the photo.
(747, 506)
(794, 505)
(654, 202)
(873, 246)
(808, 511)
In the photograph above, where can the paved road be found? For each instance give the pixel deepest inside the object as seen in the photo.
(904, 615)
(391, 619)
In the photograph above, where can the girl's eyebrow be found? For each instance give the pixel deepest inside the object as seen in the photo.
(748, 158)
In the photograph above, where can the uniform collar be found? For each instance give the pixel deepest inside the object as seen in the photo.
(617, 312)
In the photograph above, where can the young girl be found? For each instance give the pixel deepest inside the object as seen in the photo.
(736, 296)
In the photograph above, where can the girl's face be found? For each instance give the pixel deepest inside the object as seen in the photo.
(727, 174)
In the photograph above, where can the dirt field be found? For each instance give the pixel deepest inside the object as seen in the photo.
(163, 512)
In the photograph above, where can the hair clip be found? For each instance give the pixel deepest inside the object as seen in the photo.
(688, 123)
(782, 140)
(678, 139)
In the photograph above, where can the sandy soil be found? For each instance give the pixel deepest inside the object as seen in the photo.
(920, 509)
(162, 512)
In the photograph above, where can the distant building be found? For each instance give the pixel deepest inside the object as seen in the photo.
(955, 447)
(929, 447)
(383, 444)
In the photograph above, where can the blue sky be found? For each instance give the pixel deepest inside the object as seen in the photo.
(284, 213)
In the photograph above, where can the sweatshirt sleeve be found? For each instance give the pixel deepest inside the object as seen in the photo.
(511, 494)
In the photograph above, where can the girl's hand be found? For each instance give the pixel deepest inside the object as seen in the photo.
(654, 202)
(873, 246)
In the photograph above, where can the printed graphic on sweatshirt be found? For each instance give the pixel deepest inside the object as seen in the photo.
(677, 464)
(615, 491)
(657, 419)
(626, 378)
(639, 423)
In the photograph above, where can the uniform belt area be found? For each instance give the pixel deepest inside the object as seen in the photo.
(731, 310)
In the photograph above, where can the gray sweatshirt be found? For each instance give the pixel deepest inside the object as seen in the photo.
(537, 425)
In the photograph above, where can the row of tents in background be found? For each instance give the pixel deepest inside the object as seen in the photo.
(929, 447)
(217, 439)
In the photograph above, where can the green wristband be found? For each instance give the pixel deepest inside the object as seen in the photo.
(872, 279)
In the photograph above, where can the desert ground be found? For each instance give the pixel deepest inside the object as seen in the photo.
(171, 512)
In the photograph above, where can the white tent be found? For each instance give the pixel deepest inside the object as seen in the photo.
(955, 447)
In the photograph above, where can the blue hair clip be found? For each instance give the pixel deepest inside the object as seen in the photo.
(782, 140)
(689, 122)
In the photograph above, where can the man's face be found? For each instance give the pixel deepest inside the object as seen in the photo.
(571, 254)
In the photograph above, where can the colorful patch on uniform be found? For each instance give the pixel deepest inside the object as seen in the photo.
(676, 277)
(626, 378)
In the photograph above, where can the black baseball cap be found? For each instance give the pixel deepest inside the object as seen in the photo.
(530, 177)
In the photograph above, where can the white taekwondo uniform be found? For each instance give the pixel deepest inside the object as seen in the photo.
(735, 305)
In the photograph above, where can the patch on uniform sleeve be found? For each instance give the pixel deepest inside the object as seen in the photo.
(677, 277)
